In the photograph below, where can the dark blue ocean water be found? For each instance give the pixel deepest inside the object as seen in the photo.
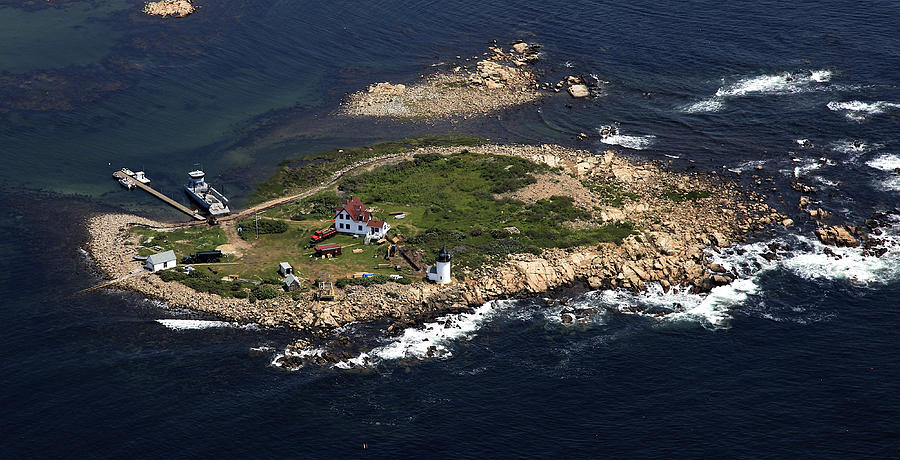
(797, 358)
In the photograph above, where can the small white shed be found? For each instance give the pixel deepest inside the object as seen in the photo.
(161, 261)
(291, 283)
(285, 269)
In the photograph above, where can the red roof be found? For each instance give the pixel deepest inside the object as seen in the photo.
(356, 209)
(325, 247)
(375, 223)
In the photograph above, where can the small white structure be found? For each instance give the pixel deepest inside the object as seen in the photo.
(161, 261)
(285, 269)
(353, 217)
(440, 272)
(291, 283)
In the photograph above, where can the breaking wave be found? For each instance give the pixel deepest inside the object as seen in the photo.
(861, 111)
(781, 83)
(195, 324)
(886, 162)
(612, 135)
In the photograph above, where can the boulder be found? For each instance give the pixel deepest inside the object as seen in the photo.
(520, 48)
(838, 236)
(579, 91)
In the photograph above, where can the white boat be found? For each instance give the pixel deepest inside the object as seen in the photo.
(205, 195)
(141, 177)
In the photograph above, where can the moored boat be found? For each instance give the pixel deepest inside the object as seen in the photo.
(210, 199)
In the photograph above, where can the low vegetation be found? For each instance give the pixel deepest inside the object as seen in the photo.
(183, 242)
(370, 281)
(450, 201)
(252, 227)
(313, 169)
(205, 281)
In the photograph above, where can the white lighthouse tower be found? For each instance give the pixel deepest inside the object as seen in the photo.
(440, 272)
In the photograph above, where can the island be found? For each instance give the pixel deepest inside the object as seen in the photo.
(517, 220)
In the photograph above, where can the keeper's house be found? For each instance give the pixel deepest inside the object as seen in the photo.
(353, 218)
(161, 261)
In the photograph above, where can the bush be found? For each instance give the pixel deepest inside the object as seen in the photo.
(476, 231)
(242, 294)
(265, 292)
(370, 281)
(266, 226)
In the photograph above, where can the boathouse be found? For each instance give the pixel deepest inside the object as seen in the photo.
(161, 261)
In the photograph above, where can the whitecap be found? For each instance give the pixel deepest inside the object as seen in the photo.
(704, 106)
(886, 162)
(194, 324)
(861, 111)
(781, 83)
(892, 184)
(629, 142)
(433, 338)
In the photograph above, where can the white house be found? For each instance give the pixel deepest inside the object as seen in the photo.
(161, 261)
(440, 271)
(285, 269)
(353, 218)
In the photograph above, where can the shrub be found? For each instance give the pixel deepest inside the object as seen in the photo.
(476, 231)
(266, 226)
(242, 294)
(264, 292)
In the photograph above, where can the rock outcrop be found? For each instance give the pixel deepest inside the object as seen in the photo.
(838, 235)
(166, 8)
(498, 79)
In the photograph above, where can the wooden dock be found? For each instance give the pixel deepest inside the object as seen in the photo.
(165, 199)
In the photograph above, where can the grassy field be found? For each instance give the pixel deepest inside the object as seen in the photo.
(449, 201)
(183, 242)
(310, 170)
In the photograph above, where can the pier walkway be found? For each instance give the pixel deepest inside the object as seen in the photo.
(154, 192)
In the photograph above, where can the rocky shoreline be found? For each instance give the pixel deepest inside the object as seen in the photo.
(667, 248)
(474, 86)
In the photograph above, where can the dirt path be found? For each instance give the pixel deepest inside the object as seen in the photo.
(228, 223)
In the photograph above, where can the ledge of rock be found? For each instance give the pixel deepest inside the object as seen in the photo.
(838, 235)
(166, 8)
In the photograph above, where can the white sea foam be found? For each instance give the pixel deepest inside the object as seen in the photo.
(886, 162)
(747, 166)
(416, 342)
(784, 83)
(629, 142)
(193, 324)
(781, 83)
(853, 147)
(891, 184)
(706, 105)
(861, 111)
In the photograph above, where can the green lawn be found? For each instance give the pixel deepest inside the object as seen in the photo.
(183, 242)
